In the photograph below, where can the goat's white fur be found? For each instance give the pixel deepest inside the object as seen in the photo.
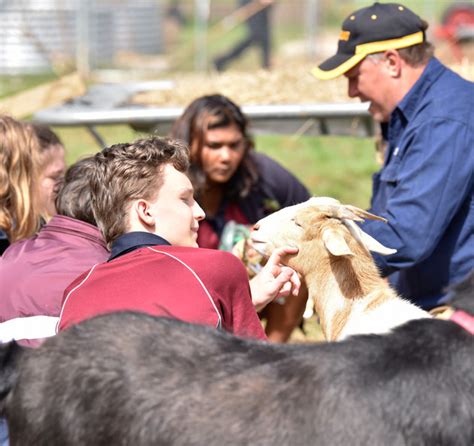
(381, 319)
(379, 309)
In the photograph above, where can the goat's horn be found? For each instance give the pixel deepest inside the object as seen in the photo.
(364, 214)
(340, 212)
(346, 211)
(368, 242)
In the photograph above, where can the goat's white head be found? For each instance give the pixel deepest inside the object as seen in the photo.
(321, 217)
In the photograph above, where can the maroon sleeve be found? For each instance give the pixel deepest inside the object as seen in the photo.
(68, 315)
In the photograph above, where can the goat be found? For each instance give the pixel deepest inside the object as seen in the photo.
(349, 295)
(134, 379)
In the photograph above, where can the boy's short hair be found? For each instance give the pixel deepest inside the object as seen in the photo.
(74, 196)
(126, 172)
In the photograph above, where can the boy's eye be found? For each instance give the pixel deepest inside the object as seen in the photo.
(187, 200)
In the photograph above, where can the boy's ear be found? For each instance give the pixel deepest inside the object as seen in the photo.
(143, 212)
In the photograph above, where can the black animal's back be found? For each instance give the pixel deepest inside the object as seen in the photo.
(133, 379)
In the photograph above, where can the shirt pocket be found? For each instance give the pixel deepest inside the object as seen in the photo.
(390, 174)
(388, 181)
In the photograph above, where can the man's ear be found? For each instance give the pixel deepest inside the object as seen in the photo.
(393, 63)
(142, 210)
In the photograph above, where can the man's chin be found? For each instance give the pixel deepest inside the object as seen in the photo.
(378, 114)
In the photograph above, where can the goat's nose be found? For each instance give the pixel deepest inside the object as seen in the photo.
(255, 227)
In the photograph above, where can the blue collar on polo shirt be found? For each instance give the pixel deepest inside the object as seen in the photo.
(134, 240)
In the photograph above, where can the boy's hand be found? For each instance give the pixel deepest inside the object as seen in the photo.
(275, 279)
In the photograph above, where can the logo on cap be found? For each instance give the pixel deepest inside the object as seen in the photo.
(345, 35)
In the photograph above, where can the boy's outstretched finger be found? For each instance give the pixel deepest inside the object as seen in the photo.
(292, 278)
(279, 254)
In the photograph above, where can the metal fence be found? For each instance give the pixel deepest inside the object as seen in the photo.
(45, 35)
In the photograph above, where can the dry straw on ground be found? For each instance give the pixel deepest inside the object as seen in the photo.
(285, 85)
(290, 85)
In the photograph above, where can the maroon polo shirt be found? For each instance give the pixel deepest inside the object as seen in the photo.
(195, 285)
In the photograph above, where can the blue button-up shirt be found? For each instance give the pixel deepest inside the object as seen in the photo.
(426, 187)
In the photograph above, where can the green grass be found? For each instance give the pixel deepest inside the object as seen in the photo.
(9, 85)
(336, 166)
(79, 141)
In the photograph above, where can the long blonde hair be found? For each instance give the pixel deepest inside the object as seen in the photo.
(19, 172)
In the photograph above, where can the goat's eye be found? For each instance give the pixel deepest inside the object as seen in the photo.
(296, 222)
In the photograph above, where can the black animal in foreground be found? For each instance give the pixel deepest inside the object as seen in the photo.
(133, 379)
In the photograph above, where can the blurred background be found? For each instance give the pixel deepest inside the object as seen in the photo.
(155, 37)
(52, 51)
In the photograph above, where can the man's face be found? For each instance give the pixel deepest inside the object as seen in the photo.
(50, 177)
(369, 82)
(175, 212)
(222, 153)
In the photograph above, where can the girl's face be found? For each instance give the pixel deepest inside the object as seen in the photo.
(222, 152)
(51, 175)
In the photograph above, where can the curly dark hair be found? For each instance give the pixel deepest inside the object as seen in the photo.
(210, 112)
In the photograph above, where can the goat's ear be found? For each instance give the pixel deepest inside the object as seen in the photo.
(335, 243)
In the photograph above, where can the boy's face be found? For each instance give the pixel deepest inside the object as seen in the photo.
(176, 213)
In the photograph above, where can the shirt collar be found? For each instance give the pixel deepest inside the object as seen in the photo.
(134, 240)
(411, 101)
(60, 224)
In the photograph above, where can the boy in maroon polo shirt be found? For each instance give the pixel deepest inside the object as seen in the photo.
(144, 205)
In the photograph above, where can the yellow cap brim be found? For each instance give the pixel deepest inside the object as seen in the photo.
(339, 70)
(364, 50)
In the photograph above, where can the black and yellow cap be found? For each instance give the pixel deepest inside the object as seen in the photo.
(369, 30)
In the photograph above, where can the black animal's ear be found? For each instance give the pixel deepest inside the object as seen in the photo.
(9, 355)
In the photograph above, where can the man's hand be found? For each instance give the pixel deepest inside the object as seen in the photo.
(275, 279)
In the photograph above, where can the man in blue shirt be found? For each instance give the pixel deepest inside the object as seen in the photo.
(426, 186)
